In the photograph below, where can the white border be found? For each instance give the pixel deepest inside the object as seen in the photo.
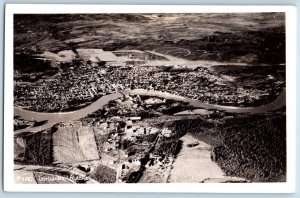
(285, 187)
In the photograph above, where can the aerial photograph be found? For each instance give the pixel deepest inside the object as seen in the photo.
(149, 98)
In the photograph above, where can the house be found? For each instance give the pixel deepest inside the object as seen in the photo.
(137, 118)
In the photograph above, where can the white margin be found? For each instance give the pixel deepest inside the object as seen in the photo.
(284, 187)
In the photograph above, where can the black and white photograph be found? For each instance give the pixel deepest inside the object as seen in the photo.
(149, 97)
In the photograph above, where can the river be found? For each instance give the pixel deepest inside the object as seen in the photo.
(53, 118)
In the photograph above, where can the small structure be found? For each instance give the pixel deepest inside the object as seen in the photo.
(137, 118)
(84, 168)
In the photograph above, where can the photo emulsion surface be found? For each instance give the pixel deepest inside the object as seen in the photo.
(149, 98)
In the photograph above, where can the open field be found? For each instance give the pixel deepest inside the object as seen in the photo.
(72, 144)
(194, 164)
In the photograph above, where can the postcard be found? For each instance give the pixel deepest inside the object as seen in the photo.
(150, 98)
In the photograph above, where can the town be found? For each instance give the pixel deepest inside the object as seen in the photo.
(79, 82)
